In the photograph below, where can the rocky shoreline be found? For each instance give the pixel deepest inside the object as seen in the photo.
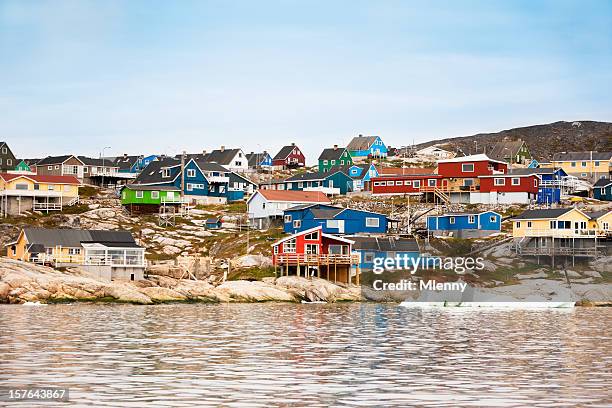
(22, 282)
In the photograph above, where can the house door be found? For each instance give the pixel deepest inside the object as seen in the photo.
(444, 184)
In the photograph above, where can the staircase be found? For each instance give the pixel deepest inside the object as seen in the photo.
(74, 201)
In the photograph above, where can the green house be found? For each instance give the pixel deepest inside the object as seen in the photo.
(143, 198)
(334, 157)
(23, 166)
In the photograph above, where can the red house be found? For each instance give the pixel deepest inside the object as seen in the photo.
(471, 166)
(312, 251)
(405, 184)
(289, 157)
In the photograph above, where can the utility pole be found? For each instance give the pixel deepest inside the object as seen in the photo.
(183, 175)
(102, 154)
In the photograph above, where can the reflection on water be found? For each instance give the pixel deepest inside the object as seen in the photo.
(308, 355)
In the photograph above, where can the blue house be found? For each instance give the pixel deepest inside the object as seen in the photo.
(367, 146)
(551, 180)
(360, 173)
(533, 164)
(377, 249)
(206, 183)
(334, 220)
(602, 189)
(336, 181)
(259, 160)
(133, 164)
(213, 223)
(465, 225)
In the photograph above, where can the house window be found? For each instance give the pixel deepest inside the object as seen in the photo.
(467, 167)
(289, 246)
(431, 182)
(535, 182)
(50, 187)
(390, 183)
(584, 164)
(189, 187)
(313, 236)
(573, 164)
(471, 219)
(165, 172)
(139, 194)
(36, 186)
(368, 257)
(56, 167)
(74, 251)
(9, 161)
(493, 218)
(605, 226)
(21, 186)
(297, 223)
(408, 183)
(517, 224)
(300, 185)
(528, 224)
(499, 182)
(325, 162)
(451, 220)
(516, 181)
(276, 249)
(4, 151)
(154, 195)
(468, 182)
(190, 172)
(372, 222)
(333, 162)
(596, 164)
(416, 183)
(49, 167)
(342, 162)
(287, 218)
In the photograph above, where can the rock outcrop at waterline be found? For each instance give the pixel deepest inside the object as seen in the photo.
(22, 282)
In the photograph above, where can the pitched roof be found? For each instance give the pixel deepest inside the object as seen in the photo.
(152, 173)
(54, 160)
(473, 157)
(284, 152)
(385, 244)
(542, 214)
(573, 156)
(361, 143)
(505, 148)
(255, 159)
(309, 176)
(326, 213)
(88, 161)
(42, 178)
(74, 237)
(146, 187)
(223, 157)
(531, 170)
(207, 166)
(596, 214)
(295, 196)
(602, 182)
(403, 171)
(125, 162)
(365, 167)
(332, 153)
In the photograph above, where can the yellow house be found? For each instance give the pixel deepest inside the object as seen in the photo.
(586, 165)
(555, 222)
(103, 254)
(601, 221)
(32, 192)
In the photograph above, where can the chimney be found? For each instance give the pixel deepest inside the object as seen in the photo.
(222, 148)
(335, 147)
(360, 135)
(203, 152)
(252, 153)
(125, 155)
(292, 143)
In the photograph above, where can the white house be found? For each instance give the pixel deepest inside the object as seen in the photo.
(435, 152)
(266, 205)
(231, 159)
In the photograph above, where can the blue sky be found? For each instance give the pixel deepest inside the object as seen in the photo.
(165, 76)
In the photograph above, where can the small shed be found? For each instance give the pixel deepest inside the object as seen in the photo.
(214, 223)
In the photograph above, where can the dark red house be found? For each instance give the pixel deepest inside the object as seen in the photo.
(289, 157)
(311, 252)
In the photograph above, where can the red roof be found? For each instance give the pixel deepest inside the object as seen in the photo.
(42, 178)
(295, 196)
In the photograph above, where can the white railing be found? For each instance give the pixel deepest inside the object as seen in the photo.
(564, 233)
(73, 201)
(42, 206)
(80, 259)
(218, 179)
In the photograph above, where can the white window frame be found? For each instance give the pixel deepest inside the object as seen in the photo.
(463, 167)
(372, 222)
(139, 194)
(471, 219)
(451, 220)
(290, 246)
(516, 181)
(191, 173)
(288, 218)
(416, 183)
(498, 181)
(154, 195)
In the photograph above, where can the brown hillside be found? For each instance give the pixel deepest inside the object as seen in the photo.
(543, 140)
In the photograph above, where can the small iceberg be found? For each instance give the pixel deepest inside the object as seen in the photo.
(37, 303)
